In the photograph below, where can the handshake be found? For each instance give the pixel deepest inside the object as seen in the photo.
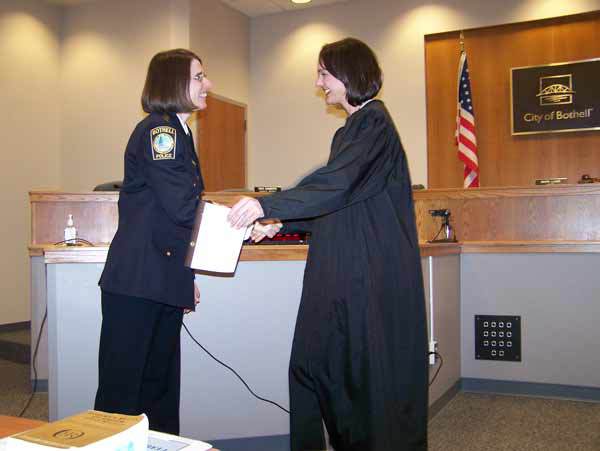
(247, 211)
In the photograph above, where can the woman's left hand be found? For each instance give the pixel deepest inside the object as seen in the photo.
(245, 212)
(196, 299)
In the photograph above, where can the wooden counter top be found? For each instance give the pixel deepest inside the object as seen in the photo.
(438, 249)
(256, 252)
(510, 247)
(69, 254)
(559, 190)
(291, 252)
(228, 197)
(530, 247)
(97, 254)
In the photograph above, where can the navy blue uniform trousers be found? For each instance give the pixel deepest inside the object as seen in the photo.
(139, 372)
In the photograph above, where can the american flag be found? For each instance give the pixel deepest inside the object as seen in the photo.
(465, 126)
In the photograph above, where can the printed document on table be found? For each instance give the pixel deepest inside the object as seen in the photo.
(158, 441)
(215, 245)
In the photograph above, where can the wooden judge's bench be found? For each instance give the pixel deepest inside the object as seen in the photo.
(530, 252)
(528, 217)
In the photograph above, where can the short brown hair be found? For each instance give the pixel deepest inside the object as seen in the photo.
(167, 82)
(353, 63)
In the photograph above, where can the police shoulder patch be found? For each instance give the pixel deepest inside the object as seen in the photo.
(164, 142)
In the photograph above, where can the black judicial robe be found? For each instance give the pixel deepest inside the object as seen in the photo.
(360, 344)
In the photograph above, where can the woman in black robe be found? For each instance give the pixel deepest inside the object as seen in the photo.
(359, 355)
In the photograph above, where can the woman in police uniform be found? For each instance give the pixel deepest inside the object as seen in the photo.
(146, 288)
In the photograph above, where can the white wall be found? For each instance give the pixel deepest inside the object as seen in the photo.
(107, 47)
(73, 76)
(106, 50)
(30, 127)
(220, 35)
(290, 130)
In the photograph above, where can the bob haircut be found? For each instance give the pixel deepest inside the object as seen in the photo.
(353, 63)
(167, 82)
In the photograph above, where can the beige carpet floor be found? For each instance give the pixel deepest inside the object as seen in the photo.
(15, 390)
(470, 422)
(484, 422)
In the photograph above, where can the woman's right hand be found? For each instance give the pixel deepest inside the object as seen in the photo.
(196, 299)
(263, 229)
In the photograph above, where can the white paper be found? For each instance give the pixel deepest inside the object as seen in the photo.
(158, 441)
(217, 246)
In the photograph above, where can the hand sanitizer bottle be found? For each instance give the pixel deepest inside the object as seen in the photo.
(70, 232)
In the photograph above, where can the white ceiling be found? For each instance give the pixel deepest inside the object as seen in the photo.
(67, 2)
(251, 8)
(255, 8)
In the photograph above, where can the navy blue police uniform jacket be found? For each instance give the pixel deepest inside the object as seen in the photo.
(157, 206)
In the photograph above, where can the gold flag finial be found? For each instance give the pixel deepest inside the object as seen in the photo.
(462, 42)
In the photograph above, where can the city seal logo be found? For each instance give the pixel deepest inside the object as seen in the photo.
(68, 434)
(163, 140)
(556, 90)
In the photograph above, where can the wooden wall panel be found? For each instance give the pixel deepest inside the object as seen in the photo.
(506, 160)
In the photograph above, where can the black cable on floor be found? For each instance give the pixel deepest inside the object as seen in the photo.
(439, 367)
(35, 352)
(233, 371)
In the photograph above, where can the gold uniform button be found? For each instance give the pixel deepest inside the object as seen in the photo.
(194, 185)
(168, 253)
(194, 163)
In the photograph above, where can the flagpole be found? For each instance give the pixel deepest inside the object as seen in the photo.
(460, 64)
(465, 122)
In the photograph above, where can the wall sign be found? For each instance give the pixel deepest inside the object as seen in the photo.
(561, 97)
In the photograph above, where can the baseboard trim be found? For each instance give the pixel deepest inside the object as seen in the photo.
(265, 443)
(535, 389)
(15, 352)
(441, 402)
(10, 327)
(42, 385)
